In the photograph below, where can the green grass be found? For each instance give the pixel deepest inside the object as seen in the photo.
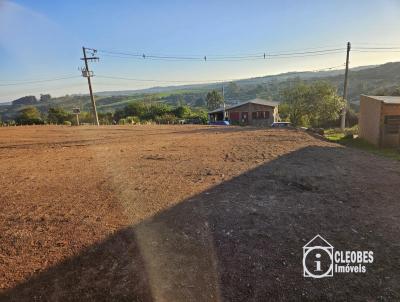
(358, 143)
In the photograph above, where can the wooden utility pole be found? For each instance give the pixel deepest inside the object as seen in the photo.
(343, 121)
(88, 74)
(223, 99)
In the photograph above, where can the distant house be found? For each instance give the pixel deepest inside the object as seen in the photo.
(380, 120)
(256, 112)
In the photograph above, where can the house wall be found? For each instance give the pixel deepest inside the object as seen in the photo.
(261, 122)
(388, 139)
(235, 114)
(370, 119)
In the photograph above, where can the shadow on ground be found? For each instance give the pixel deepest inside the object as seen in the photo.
(242, 240)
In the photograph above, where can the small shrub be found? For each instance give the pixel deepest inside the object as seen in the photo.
(132, 120)
(67, 123)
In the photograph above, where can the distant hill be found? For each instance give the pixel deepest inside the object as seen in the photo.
(373, 79)
(304, 75)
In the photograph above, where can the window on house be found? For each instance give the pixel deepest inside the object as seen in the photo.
(257, 115)
(392, 124)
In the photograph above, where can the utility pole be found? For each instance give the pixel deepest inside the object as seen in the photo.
(88, 74)
(223, 99)
(343, 121)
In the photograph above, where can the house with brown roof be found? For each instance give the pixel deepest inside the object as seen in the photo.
(379, 120)
(256, 112)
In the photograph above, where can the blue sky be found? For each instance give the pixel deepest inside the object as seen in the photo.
(43, 39)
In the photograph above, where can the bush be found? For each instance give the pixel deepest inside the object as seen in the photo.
(201, 116)
(58, 115)
(166, 119)
(132, 120)
(122, 121)
(67, 123)
(29, 116)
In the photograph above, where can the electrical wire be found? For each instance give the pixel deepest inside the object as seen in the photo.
(329, 68)
(39, 81)
(211, 81)
(238, 57)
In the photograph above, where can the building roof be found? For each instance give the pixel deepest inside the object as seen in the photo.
(217, 110)
(386, 99)
(253, 101)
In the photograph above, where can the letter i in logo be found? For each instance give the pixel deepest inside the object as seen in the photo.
(318, 269)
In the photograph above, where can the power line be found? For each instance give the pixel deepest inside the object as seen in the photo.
(247, 57)
(329, 68)
(377, 48)
(24, 82)
(36, 79)
(376, 51)
(39, 81)
(211, 81)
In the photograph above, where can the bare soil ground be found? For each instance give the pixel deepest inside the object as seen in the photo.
(190, 213)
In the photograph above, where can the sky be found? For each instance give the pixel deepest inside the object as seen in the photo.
(42, 40)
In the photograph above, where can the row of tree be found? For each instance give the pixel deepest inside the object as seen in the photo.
(31, 100)
(159, 113)
(135, 112)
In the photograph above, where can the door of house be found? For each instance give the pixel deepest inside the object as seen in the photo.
(244, 117)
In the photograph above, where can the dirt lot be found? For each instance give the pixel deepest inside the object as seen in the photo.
(190, 213)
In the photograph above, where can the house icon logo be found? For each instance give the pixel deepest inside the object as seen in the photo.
(318, 258)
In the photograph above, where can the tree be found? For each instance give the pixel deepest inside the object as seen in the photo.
(294, 105)
(106, 118)
(132, 109)
(317, 104)
(324, 104)
(199, 116)
(45, 97)
(182, 111)
(214, 100)
(156, 110)
(57, 115)
(29, 116)
(135, 109)
(166, 119)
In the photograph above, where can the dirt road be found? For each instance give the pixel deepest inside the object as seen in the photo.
(190, 213)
